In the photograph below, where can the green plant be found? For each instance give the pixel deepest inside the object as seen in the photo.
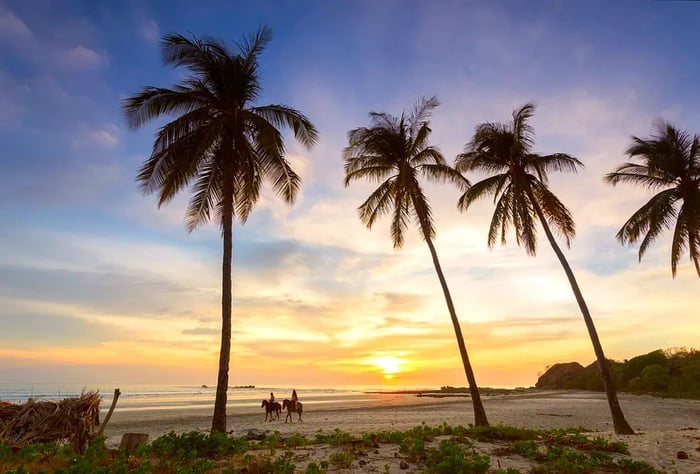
(335, 438)
(342, 459)
(314, 468)
(501, 432)
(451, 458)
(297, 439)
(413, 449)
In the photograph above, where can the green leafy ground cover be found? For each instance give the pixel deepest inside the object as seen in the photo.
(430, 449)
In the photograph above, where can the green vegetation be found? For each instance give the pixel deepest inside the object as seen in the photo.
(670, 373)
(430, 449)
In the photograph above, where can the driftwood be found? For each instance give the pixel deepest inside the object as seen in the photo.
(117, 392)
(72, 419)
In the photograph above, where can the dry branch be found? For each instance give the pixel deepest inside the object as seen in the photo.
(73, 419)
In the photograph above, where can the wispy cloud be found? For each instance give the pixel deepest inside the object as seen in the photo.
(82, 58)
(13, 27)
(149, 30)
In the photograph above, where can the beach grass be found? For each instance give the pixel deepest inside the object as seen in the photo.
(432, 449)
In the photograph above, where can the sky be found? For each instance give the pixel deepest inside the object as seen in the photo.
(98, 285)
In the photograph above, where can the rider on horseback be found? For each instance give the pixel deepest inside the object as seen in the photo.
(294, 399)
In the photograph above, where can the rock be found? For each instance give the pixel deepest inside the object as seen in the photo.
(362, 462)
(682, 455)
(403, 465)
(558, 374)
(255, 435)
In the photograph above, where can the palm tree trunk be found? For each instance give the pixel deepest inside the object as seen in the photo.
(619, 423)
(218, 423)
(479, 412)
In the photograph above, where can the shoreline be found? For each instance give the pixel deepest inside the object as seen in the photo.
(664, 426)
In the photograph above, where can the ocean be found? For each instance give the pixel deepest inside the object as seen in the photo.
(164, 397)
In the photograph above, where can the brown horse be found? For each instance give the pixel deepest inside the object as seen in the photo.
(271, 409)
(289, 406)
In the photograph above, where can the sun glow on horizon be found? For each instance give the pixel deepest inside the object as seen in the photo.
(389, 365)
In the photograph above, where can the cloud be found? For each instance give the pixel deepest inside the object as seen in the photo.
(149, 30)
(13, 27)
(107, 136)
(82, 58)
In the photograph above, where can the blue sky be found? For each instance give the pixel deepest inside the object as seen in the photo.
(98, 285)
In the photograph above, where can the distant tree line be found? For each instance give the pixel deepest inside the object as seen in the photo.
(667, 373)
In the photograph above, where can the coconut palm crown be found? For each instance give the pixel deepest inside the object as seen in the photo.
(395, 153)
(520, 179)
(519, 184)
(668, 162)
(220, 145)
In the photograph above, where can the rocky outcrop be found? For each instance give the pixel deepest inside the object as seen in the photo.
(558, 375)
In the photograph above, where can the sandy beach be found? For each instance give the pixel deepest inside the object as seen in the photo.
(663, 426)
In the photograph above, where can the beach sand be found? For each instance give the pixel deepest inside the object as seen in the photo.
(663, 426)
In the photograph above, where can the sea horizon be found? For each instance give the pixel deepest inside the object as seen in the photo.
(135, 397)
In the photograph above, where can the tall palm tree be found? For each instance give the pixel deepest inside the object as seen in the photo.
(219, 143)
(521, 194)
(670, 163)
(395, 152)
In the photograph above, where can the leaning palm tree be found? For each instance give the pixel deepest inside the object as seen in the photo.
(395, 152)
(521, 194)
(219, 143)
(670, 163)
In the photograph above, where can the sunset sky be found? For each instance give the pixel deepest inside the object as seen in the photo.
(98, 285)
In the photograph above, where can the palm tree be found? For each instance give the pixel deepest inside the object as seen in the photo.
(221, 144)
(670, 163)
(521, 194)
(395, 152)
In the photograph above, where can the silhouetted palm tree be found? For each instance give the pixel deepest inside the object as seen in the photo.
(222, 144)
(521, 195)
(670, 162)
(395, 152)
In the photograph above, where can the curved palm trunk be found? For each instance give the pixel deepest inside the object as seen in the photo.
(218, 423)
(479, 412)
(619, 423)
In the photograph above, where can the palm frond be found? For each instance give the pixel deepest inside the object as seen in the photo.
(255, 44)
(490, 185)
(501, 218)
(170, 169)
(419, 117)
(402, 214)
(634, 173)
(651, 219)
(422, 211)
(377, 204)
(559, 162)
(152, 102)
(558, 217)
(427, 155)
(283, 116)
(206, 193)
(523, 133)
(442, 173)
(248, 177)
(681, 238)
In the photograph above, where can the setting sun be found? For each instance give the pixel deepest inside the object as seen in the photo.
(389, 365)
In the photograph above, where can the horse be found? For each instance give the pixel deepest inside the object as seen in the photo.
(272, 409)
(289, 406)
